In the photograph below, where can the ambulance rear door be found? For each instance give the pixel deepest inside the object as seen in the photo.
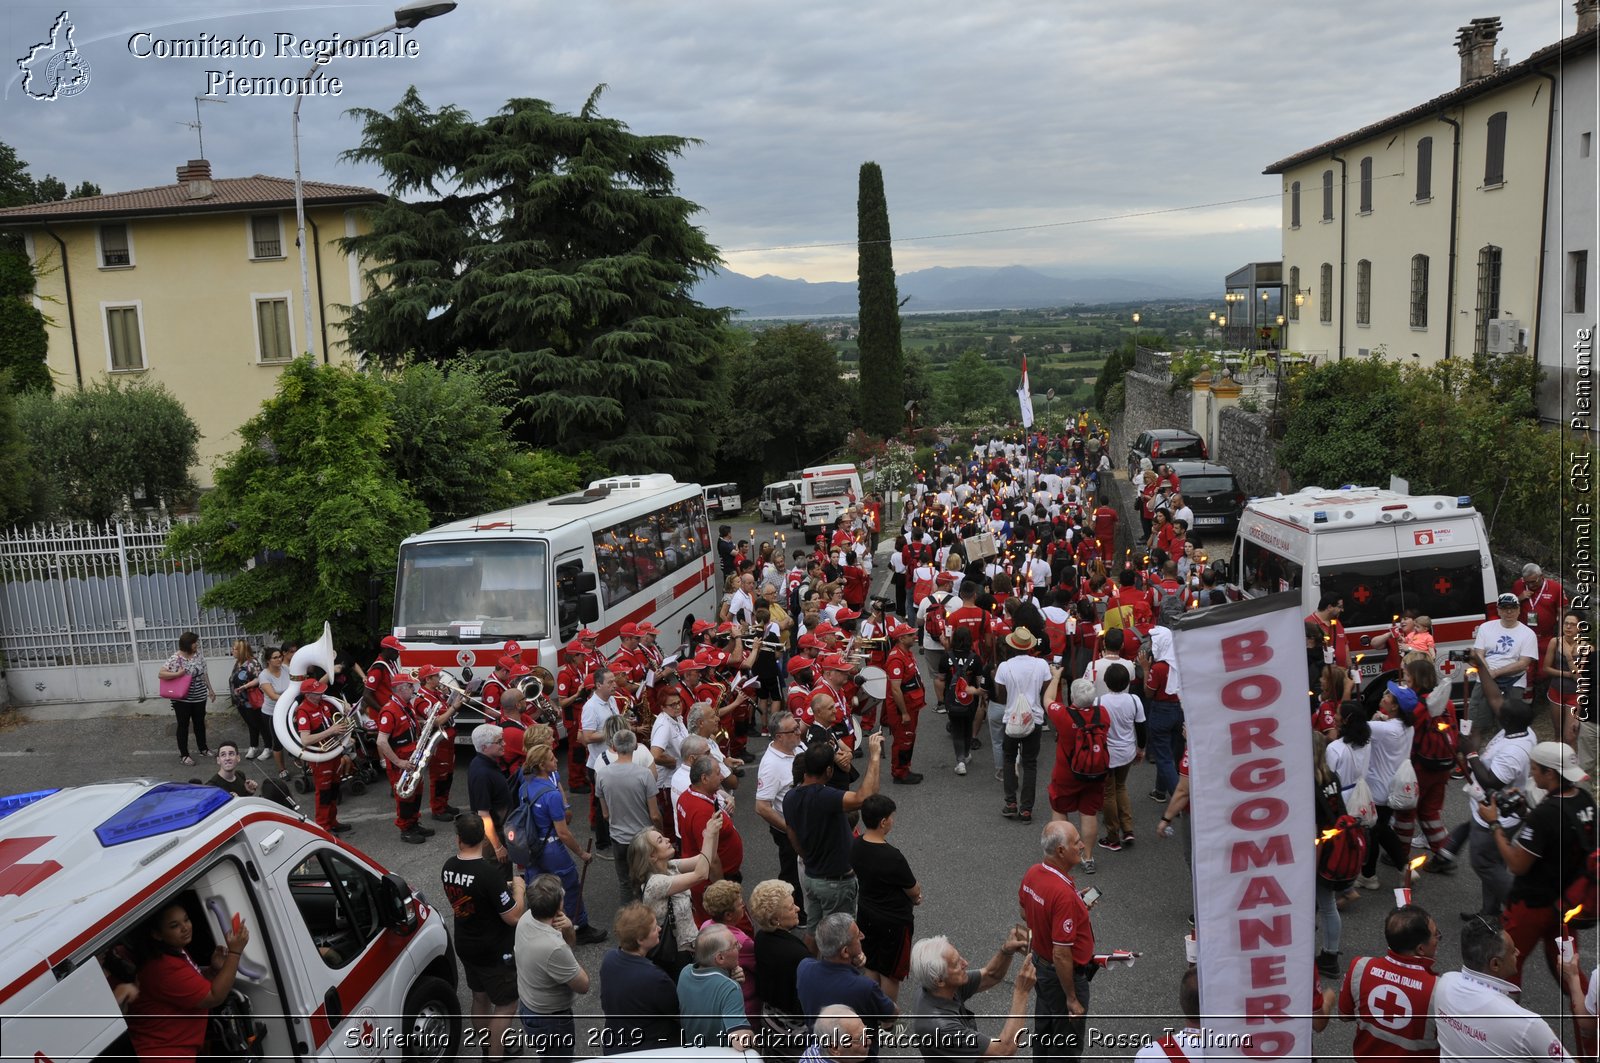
(1362, 566)
(77, 1018)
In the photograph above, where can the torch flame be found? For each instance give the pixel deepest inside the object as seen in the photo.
(1418, 862)
(1329, 834)
(1571, 914)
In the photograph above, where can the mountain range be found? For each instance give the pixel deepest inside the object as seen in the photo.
(941, 288)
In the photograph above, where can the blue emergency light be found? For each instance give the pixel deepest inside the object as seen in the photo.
(17, 802)
(161, 810)
(1463, 501)
(1319, 517)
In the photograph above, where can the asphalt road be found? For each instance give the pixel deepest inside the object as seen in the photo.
(968, 857)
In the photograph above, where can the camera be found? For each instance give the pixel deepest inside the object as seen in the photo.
(880, 604)
(1512, 802)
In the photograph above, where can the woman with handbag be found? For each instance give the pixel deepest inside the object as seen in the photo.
(664, 885)
(247, 695)
(186, 683)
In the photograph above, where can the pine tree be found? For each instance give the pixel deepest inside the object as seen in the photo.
(882, 368)
(551, 248)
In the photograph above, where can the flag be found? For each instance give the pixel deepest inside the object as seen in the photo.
(1025, 397)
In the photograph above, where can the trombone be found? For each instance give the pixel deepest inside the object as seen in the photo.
(449, 682)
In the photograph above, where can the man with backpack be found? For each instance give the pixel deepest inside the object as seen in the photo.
(932, 618)
(1547, 855)
(1125, 743)
(1077, 782)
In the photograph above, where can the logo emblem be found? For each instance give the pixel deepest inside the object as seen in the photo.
(54, 69)
(465, 658)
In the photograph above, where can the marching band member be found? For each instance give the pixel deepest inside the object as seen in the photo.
(397, 740)
(831, 684)
(313, 722)
(442, 765)
(907, 696)
(628, 662)
(798, 698)
(571, 692)
(594, 660)
(380, 677)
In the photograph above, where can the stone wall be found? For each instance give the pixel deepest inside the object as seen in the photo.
(1243, 445)
(1148, 405)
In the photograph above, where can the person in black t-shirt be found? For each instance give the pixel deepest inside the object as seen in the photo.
(639, 1000)
(889, 890)
(486, 910)
(489, 794)
(1550, 848)
(227, 776)
(820, 832)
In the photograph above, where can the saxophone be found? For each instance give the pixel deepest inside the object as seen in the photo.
(432, 734)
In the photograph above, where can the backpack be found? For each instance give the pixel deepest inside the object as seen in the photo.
(525, 841)
(1091, 757)
(1360, 803)
(934, 619)
(1403, 788)
(1437, 739)
(921, 587)
(1340, 856)
(960, 690)
(1019, 717)
(1169, 607)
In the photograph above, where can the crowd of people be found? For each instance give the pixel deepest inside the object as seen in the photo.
(1009, 612)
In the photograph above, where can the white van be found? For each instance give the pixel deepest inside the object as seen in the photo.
(723, 499)
(778, 501)
(344, 959)
(1384, 552)
(826, 491)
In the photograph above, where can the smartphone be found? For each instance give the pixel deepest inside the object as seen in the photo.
(237, 922)
(1090, 896)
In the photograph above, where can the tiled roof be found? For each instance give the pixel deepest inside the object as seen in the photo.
(227, 194)
(1460, 94)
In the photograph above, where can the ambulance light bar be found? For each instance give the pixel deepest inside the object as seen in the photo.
(161, 810)
(15, 802)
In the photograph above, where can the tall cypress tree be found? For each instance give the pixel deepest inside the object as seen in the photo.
(882, 366)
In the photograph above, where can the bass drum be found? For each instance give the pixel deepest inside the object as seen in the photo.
(874, 682)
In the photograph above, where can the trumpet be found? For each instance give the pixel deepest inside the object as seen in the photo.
(770, 643)
(427, 742)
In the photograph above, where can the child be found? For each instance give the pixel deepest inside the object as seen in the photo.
(963, 695)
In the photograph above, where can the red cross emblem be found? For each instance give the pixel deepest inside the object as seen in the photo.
(17, 878)
(1442, 586)
(1389, 1006)
(1361, 593)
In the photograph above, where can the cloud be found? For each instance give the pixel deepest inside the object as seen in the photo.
(997, 116)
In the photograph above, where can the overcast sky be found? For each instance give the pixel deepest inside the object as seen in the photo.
(1070, 117)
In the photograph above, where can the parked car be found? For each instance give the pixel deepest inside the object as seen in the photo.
(723, 499)
(1213, 493)
(778, 501)
(1165, 444)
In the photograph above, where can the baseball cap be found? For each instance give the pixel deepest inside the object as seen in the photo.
(1508, 600)
(700, 627)
(1405, 696)
(833, 662)
(390, 642)
(900, 630)
(798, 664)
(317, 686)
(573, 647)
(946, 577)
(1559, 758)
(628, 631)
(845, 614)
(587, 636)
(509, 663)
(647, 628)
(691, 664)
(809, 641)
(827, 629)
(431, 669)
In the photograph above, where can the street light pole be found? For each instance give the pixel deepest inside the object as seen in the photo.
(406, 17)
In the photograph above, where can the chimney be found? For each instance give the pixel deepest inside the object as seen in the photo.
(195, 177)
(1475, 42)
(1588, 14)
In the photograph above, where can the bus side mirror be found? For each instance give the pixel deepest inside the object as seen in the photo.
(583, 583)
(588, 605)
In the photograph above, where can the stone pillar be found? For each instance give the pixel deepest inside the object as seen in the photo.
(1224, 393)
(1200, 405)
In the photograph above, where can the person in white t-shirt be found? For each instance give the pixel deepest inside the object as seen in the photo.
(1125, 745)
(1508, 648)
(1020, 677)
(774, 779)
(1474, 1010)
(1110, 654)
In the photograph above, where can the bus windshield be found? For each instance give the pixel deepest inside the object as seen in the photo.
(468, 590)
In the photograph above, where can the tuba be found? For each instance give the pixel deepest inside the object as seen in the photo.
(319, 654)
(427, 742)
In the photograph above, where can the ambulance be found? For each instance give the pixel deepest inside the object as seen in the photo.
(1386, 553)
(826, 491)
(344, 959)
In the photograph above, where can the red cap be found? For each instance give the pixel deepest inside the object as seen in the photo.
(845, 614)
(946, 577)
(587, 636)
(898, 629)
(573, 647)
(799, 663)
(392, 643)
(809, 641)
(700, 627)
(833, 662)
(316, 686)
(430, 669)
(508, 663)
(828, 629)
(519, 669)
(513, 648)
(628, 631)
(724, 628)
(712, 657)
(647, 628)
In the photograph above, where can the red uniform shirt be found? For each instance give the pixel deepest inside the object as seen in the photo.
(798, 701)
(1055, 915)
(380, 680)
(855, 585)
(170, 1008)
(311, 717)
(1333, 634)
(428, 700)
(841, 540)
(630, 666)
(1542, 611)
(902, 669)
(1105, 524)
(973, 619)
(491, 692)
(1389, 997)
(569, 682)
(397, 721)
(695, 810)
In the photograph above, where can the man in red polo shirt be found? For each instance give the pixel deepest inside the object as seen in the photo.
(380, 677)
(1543, 603)
(696, 806)
(1388, 995)
(397, 740)
(797, 699)
(1063, 944)
(972, 618)
(1105, 529)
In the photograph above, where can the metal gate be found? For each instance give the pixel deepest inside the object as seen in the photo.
(89, 612)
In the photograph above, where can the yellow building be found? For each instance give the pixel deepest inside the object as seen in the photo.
(1423, 234)
(195, 285)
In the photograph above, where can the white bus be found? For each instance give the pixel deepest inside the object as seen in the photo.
(627, 549)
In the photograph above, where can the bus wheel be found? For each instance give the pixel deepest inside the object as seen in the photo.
(432, 1022)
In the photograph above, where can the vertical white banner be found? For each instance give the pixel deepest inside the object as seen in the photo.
(1243, 675)
(1025, 397)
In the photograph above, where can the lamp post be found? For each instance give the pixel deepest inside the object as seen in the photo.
(1136, 333)
(1261, 321)
(406, 17)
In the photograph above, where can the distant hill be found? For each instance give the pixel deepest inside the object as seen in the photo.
(939, 288)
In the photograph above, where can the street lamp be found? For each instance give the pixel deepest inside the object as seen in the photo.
(1261, 321)
(406, 17)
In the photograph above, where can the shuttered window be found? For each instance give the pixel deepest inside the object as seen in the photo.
(1494, 153)
(1425, 169)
